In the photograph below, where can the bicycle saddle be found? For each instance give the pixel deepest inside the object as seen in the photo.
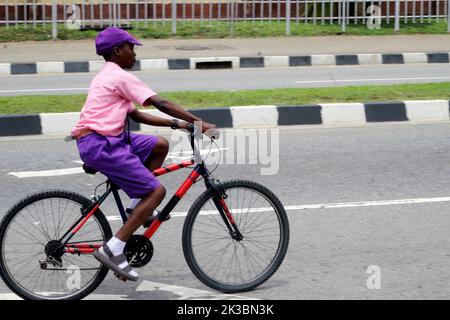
(89, 170)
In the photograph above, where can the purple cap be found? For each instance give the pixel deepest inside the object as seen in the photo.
(112, 37)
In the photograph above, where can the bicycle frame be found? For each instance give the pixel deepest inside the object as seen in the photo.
(199, 170)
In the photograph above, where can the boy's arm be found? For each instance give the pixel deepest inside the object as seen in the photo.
(152, 120)
(176, 111)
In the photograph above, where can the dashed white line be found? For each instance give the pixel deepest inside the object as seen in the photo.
(318, 206)
(174, 156)
(47, 173)
(185, 293)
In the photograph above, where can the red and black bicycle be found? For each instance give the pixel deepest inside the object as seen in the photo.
(234, 238)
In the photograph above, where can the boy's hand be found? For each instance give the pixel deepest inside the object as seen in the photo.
(205, 126)
(210, 130)
(208, 126)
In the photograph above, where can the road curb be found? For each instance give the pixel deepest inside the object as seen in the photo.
(230, 62)
(256, 116)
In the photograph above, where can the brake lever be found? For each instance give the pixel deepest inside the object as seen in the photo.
(213, 134)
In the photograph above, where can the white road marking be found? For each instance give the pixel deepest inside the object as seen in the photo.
(175, 156)
(202, 151)
(369, 203)
(318, 206)
(77, 170)
(185, 293)
(47, 173)
(93, 296)
(374, 79)
(44, 90)
(9, 296)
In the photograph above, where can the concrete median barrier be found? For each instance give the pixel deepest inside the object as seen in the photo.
(334, 114)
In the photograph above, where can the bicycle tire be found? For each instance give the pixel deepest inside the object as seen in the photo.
(188, 230)
(24, 203)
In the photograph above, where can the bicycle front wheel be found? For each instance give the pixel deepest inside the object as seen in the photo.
(33, 262)
(236, 265)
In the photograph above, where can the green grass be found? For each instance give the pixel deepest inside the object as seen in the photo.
(292, 96)
(214, 29)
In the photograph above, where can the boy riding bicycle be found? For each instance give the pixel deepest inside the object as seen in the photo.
(127, 159)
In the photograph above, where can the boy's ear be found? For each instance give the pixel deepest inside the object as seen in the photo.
(116, 51)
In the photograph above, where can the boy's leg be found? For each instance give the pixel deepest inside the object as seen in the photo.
(135, 179)
(154, 160)
(140, 214)
(158, 155)
(111, 254)
(151, 149)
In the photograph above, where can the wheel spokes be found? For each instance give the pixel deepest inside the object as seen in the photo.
(30, 249)
(229, 261)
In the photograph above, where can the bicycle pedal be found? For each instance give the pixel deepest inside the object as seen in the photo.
(120, 277)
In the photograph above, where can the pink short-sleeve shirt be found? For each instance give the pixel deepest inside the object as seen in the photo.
(111, 96)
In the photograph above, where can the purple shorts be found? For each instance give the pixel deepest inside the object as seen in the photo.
(121, 163)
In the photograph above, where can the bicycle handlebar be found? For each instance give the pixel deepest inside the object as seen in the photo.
(196, 132)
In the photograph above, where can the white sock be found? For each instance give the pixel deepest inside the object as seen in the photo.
(116, 246)
(133, 203)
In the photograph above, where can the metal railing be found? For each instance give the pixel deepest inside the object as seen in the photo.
(97, 14)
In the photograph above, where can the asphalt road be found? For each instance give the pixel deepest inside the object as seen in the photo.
(237, 79)
(331, 248)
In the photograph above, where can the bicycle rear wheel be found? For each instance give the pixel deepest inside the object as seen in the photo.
(34, 264)
(230, 265)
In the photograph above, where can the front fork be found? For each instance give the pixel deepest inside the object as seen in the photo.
(221, 205)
